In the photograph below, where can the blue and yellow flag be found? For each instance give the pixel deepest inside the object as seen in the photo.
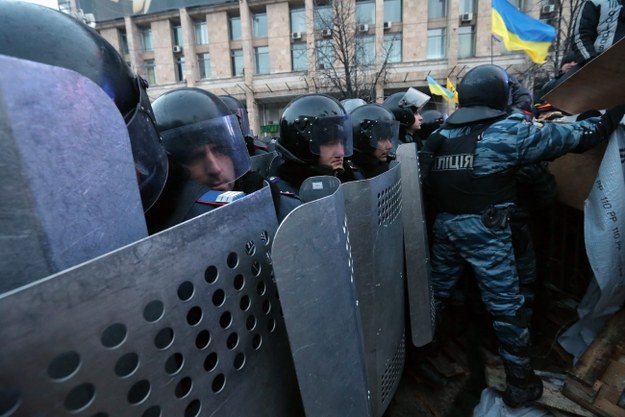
(439, 90)
(519, 31)
(452, 89)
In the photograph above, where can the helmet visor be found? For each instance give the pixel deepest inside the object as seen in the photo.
(326, 131)
(214, 148)
(148, 152)
(243, 121)
(414, 99)
(380, 131)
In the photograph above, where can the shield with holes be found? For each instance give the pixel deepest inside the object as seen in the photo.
(313, 272)
(373, 208)
(179, 322)
(416, 249)
(67, 194)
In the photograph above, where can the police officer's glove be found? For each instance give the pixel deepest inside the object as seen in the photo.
(610, 120)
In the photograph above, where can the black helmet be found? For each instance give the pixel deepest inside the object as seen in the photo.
(372, 123)
(482, 94)
(432, 120)
(38, 33)
(405, 104)
(193, 122)
(238, 109)
(310, 121)
(350, 104)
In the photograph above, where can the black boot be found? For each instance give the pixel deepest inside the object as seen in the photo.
(522, 385)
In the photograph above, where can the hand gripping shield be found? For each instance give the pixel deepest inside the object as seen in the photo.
(313, 271)
(181, 322)
(373, 208)
(416, 250)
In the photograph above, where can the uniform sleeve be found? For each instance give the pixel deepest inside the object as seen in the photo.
(585, 32)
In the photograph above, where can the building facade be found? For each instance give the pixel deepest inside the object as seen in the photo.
(267, 52)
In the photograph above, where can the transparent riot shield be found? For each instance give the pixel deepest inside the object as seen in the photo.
(373, 208)
(313, 271)
(416, 250)
(67, 177)
(184, 323)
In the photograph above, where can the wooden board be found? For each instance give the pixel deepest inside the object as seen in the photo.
(600, 84)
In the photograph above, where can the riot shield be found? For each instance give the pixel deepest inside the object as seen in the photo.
(373, 208)
(184, 321)
(261, 163)
(416, 250)
(313, 271)
(67, 177)
(314, 188)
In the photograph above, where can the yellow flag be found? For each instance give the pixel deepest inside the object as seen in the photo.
(451, 88)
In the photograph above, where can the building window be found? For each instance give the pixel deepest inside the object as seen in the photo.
(146, 39)
(180, 64)
(261, 53)
(325, 53)
(259, 25)
(323, 17)
(365, 50)
(123, 42)
(365, 12)
(437, 9)
(392, 47)
(204, 64)
(466, 41)
(392, 10)
(237, 62)
(467, 6)
(235, 28)
(520, 4)
(298, 20)
(299, 57)
(176, 35)
(436, 43)
(201, 32)
(150, 71)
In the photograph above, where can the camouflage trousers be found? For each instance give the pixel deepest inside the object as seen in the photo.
(459, 239)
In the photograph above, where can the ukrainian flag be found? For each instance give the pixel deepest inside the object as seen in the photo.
(439, 90)
(522, 32)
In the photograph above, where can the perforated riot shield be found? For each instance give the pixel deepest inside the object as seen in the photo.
(416, 250)
(67, 178)
(183, 322)
(313, 272)
(373, 208)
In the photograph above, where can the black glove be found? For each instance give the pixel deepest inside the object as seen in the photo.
(610, 120)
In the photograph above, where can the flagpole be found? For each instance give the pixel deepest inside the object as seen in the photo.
(491, 48)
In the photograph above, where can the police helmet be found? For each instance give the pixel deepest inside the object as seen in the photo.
(432, 120)
(60, 40)
(192, 122)
(371, 124)
(238, 109)
(405, 104)
(482, 94)
(351, 103)
(311, 121)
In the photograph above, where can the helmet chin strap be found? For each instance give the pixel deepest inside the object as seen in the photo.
(286, 153)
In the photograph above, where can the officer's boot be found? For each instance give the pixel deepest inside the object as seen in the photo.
(522, 385)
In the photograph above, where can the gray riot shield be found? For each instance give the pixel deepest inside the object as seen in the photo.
(416, 250)
(261, 163)
(374, 221)
(182, 321)
(317, 187)
(313, 271)
(67, 177)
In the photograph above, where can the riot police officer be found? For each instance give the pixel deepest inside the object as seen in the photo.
(315, 137)
(375, 133)
(203, 136)
(430, 121)
(349, 104)
(406, 106)
(469, 163)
